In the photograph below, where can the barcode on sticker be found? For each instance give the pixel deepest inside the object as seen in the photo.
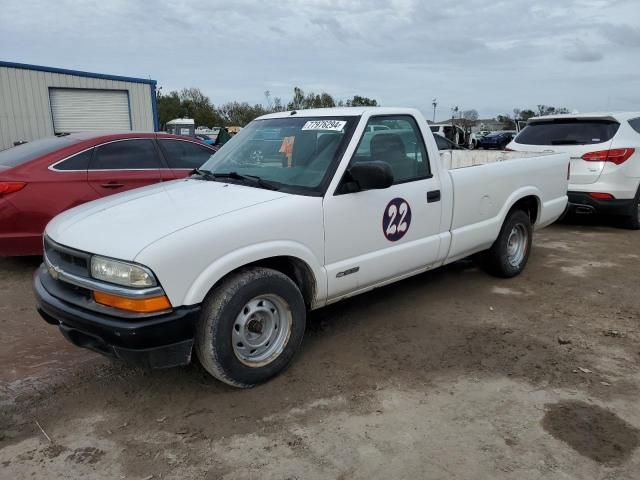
(334, 125)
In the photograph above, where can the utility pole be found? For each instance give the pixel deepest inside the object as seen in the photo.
(434, 102)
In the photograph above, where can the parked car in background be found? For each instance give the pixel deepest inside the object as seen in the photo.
(207, 138)
(451, 132)
(605, 159)
(497, 140)
(42, 178)
(446, 144)
(475, 137)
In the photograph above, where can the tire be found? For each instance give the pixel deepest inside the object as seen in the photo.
(632, 222)
(251, 327)
(508, 255)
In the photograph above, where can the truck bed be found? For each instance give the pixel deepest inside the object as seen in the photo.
(454, 159)
(482, 193)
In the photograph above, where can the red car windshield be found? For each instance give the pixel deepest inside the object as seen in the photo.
(14, 156)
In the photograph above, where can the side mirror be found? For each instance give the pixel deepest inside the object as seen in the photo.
(371, 175)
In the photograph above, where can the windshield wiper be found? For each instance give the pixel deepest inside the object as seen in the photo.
(204, 174)
(254, 179)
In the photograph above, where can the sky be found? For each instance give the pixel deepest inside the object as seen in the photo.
(488, 55)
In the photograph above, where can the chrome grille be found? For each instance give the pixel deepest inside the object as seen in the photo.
(69, 260)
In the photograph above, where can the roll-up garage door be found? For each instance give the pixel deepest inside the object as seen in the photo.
(77, 110)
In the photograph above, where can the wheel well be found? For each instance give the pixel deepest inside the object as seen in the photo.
(530, 205)
(294, 268)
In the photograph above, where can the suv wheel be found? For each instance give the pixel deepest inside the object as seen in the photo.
(632, 221)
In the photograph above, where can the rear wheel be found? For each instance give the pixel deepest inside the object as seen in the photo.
(508, 255)
(251, 327)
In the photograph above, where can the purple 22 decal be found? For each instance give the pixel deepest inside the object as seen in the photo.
(396, 219)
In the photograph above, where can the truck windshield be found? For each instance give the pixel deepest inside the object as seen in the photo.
(296, 154)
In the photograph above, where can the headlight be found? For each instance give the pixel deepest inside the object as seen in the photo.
(122, 273)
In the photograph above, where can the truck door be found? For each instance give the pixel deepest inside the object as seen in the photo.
(377, 235)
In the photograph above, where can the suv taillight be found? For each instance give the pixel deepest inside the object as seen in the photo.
(11, 187)
(615, 155)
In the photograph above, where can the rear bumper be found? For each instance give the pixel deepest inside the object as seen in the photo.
(14, 240)
(155, 342)
(20, 245)
(582, 203)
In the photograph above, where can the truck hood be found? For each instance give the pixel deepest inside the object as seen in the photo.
(120, 226)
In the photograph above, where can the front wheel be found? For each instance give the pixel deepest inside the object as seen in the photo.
(508, 255)
(251, 327)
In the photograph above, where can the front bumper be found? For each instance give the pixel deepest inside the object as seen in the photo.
(583, 203)
(160, 341)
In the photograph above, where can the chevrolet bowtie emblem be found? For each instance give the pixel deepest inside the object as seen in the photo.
(53, 271)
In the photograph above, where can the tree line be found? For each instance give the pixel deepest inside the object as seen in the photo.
(509, 121)
(192, 103)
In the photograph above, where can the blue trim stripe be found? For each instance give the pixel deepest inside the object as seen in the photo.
(154, 108)
(78, 73)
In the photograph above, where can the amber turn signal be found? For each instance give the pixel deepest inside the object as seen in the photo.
(137, 305)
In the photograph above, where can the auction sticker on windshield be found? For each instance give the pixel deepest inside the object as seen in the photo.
(333, 125)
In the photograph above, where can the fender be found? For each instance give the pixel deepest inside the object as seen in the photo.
(214, 272)
(528, 191)
(479, 236)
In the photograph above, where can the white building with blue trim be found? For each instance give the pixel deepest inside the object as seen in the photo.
(37, 101)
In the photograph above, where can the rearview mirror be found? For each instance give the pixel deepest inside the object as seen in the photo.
(371, 175)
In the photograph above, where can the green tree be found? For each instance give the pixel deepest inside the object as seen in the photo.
(240, 113)
(169, 107)
(197, 105)
(358, 101)
(298, 100)
(526, 114)
(506, 121)
(544, 110)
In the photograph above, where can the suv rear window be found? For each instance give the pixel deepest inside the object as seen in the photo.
(14, 156)
(569, 131)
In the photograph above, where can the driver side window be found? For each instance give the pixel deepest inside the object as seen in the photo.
(397, 141)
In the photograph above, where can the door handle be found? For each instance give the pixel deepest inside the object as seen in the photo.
(433, 196)
(112, 185)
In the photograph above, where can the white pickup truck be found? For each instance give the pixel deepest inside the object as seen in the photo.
(299, 210)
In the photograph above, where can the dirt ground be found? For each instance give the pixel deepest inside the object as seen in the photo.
(451, 374)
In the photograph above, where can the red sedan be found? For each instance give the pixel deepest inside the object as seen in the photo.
(40, 179)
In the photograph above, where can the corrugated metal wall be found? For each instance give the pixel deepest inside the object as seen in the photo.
(25, 112)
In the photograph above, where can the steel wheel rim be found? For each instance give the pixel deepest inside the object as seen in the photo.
(517, 245)
(261, 330)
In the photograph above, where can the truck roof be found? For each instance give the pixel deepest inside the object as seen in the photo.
(341, 112)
